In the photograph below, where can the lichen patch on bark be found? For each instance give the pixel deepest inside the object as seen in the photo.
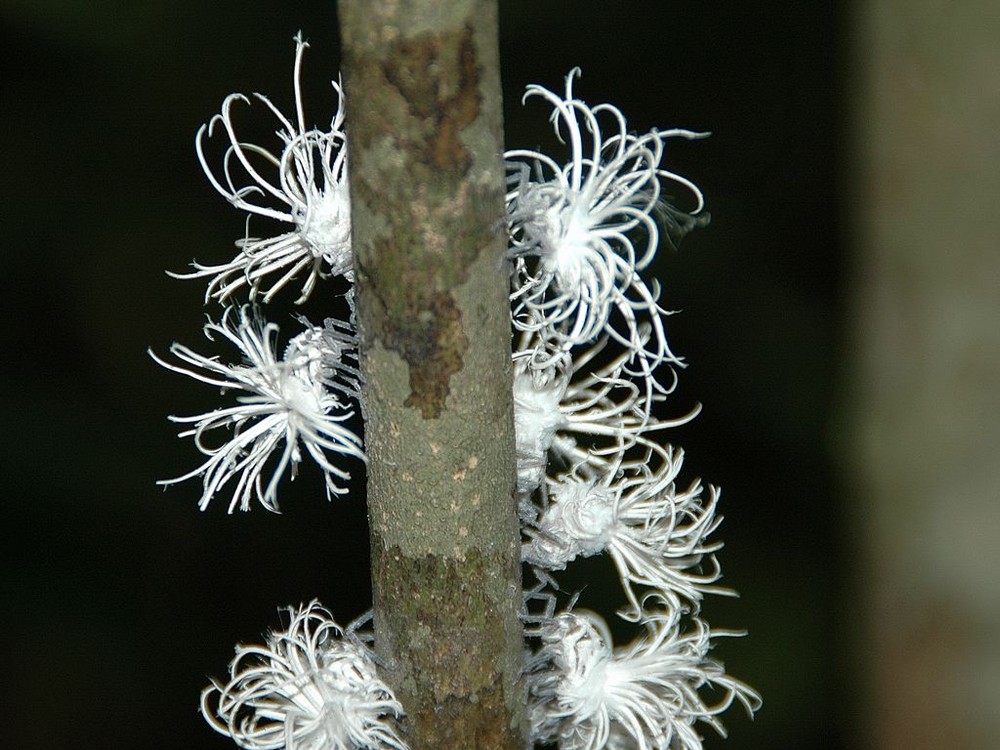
(459, 622)
(433, 345)
(444, 107)
(421, 187)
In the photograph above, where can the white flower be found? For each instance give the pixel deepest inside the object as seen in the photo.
(656, 535)
(298, 399)
(307, 189)
(584, 695)
(312, 687)
(591, 226)
(560, 398)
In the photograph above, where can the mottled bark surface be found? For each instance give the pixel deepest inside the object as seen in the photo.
(927, 369)
(425, 138)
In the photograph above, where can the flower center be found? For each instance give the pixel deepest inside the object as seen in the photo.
(301, 394)
(327, 225)
(570, 228)
(588, 514)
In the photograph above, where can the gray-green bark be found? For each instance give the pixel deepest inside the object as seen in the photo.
(926, 422)
(426, 178)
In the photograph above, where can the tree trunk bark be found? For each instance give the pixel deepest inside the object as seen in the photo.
(427, 196)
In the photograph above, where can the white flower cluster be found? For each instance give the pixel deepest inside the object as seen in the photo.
(302, 402)
(581, 232)
(312, 686)
(305, 396)
(309, 192)
(587, 695)
(592, 476)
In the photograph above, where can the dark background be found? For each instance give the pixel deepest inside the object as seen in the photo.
(119, 599)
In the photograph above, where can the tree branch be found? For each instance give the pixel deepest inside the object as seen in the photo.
(426, 173)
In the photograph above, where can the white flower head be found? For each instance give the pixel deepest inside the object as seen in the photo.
(550, 408)
(284, 405)
(585, 695)
(656, 535)
(559, 397)
(313, 686)
(592, 224)
(307, 188)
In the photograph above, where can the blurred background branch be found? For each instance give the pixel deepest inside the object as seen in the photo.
(925, 401)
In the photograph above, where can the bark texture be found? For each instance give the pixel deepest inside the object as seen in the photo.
(425, 138)
(927, 402)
